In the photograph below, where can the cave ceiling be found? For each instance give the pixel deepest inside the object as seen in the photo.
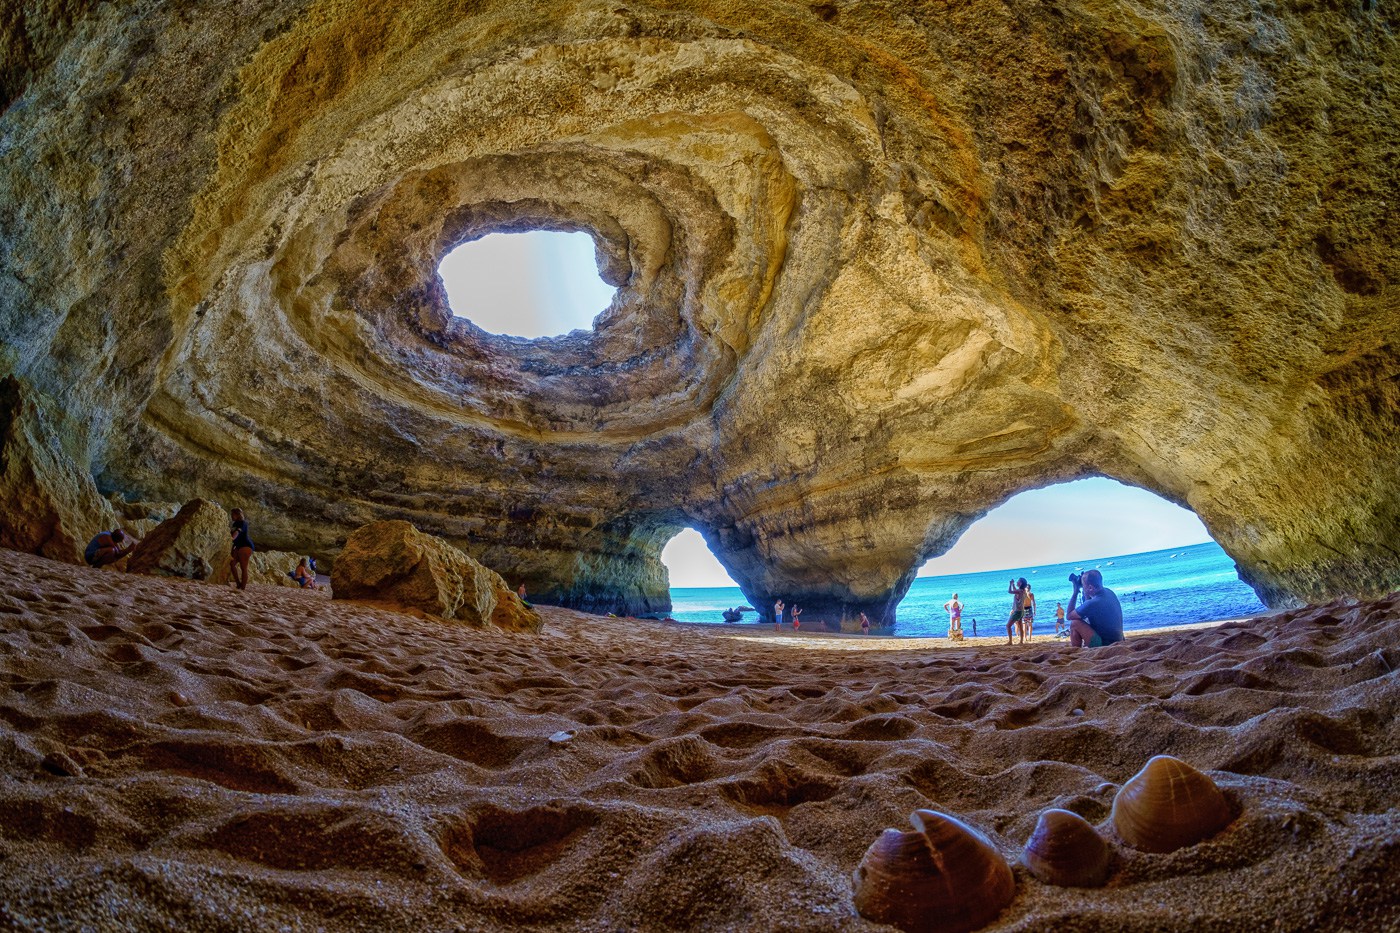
(879, 266)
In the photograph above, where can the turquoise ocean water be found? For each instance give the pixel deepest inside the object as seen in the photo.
(1191, 584)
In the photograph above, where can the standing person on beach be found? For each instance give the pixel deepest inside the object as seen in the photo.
(778, 614)
(1099, 620)
(864, 624)
(1028, 616)
(954, 610)
(1018, 589)
(242, 548)
(1059, 619)
(796, 618)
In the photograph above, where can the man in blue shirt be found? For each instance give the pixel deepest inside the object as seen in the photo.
(1099, 620)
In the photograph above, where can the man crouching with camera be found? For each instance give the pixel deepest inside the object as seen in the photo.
(1099, 619)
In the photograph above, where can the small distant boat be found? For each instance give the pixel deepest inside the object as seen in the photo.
(1110, 563)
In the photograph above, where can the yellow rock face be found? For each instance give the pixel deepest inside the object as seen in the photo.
(393, 562)
(879, 268)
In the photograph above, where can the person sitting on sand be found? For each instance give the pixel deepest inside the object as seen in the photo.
(864, 624)
(1018, 589)
(242, 548)
(1059, 620)
(305, 576)
(1099, 620)
(954, 610)
(108, 547)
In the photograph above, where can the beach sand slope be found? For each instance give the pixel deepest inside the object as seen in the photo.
(180, 756)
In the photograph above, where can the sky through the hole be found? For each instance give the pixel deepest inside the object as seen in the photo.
(537, 284)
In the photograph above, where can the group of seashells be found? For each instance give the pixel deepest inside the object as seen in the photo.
(947, 876)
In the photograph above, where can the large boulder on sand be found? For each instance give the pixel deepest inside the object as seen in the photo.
(193, 544)
(393, 562)
(48, 505)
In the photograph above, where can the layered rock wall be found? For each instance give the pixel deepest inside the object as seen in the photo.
(879, 269)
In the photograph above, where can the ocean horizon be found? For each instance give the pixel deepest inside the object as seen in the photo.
(1172, 586)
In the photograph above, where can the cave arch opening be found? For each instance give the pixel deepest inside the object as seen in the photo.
(1158, 557)
(540, 283)
(701, 587)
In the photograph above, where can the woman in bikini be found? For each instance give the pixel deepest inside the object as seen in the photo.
(242, 549)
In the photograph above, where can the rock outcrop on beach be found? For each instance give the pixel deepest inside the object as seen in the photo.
(270, 567)
(394, 563)
(194, 544)
(879, 268)
(47, 505)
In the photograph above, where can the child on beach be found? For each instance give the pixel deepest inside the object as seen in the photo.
(864, 624)
(1028, 616)
(796, 618)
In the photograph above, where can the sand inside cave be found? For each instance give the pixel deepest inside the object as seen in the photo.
(175, 755)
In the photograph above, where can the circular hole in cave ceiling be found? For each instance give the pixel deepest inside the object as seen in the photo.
(531, 285)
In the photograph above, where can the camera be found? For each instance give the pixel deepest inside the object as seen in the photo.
(1074, 578)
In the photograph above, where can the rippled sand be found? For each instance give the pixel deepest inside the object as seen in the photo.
(180, 756)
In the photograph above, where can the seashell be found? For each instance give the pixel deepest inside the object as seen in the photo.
(1168, 805)
(944, 876)
(1065, 850)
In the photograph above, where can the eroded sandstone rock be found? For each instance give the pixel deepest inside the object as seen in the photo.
(140, 518)
(393, 562)
(194, 544)
(269, 567)
(48, 505)
(879, 268)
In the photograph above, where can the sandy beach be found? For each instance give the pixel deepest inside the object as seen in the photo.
(179, 756)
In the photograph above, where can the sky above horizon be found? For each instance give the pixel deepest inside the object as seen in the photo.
(546, 283)
(537, 284)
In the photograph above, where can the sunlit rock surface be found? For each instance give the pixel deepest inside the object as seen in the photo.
(879, 268)
(394, 563)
